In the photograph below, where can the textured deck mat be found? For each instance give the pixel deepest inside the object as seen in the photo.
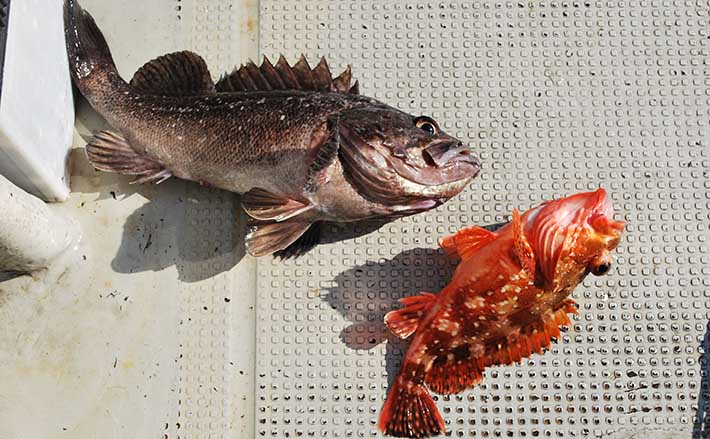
(556, 97)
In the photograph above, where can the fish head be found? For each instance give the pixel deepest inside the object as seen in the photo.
(574, 236)
(404, 163)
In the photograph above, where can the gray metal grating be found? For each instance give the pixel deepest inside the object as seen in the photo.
(557, 97)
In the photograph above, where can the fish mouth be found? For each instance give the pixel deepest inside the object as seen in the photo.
(382, 175)
(447, 161)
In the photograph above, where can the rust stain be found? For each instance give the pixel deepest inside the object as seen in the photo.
(251, 24)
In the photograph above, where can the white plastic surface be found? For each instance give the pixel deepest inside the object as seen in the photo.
(150, 333)
(36, 110)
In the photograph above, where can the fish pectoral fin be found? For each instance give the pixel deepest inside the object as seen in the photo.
(404, 322)
(110, 152)
(466, 242)
(263, 205)
(175, 74)
(268, 238)
(462, 367)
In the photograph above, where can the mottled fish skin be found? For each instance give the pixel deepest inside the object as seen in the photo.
(311, 147)
(507, 299)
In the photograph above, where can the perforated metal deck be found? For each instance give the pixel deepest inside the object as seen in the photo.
(557, 97)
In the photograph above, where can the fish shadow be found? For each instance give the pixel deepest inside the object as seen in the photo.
(701, 422)
(199, 230)
(365, 293)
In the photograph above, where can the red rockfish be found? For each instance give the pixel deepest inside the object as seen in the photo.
(507, 300)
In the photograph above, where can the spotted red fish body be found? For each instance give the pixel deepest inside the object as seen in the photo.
(507, 299)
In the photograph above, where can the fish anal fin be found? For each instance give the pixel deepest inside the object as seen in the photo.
(110, 152)
(466, 242)
(175, 74)
(523, 249)
(263, 205)
(410, 411)
(455, 371)
(404, 322)
(283, 76)
(268, 238)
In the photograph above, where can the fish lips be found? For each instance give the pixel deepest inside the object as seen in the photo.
(382, 176)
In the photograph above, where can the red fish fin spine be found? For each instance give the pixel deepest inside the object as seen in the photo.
(410, 411)
(403, 322)
(522, 246)
(454, 377)
(466, 242)
(539, 336)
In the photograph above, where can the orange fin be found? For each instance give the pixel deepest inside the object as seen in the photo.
(460, 369)
(522, 246)
(465, 242)
(455, 372)
(403, 322)
(533, 339)
(410, 411)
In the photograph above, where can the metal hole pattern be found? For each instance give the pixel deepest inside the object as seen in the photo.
(556, 97)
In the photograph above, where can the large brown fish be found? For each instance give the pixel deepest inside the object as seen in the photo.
(301, 146)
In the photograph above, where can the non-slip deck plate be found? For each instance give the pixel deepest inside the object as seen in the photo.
(556, 97)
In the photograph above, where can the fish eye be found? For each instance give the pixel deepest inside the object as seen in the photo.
(427, 124)
(601, 269)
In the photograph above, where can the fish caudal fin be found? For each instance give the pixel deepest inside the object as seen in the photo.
(466, 242)
(110, 152)
(410, 411)
(88, 53)
(403, 322)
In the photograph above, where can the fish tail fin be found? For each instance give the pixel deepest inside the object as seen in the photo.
(90, 59)
(410, 411)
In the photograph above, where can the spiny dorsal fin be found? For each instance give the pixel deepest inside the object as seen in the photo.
(283, 76)
(175, 74)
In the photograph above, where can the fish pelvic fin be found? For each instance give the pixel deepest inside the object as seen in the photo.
(263, 205)
(88, 54)
(523, 249)
(175, 74)
(404, 322)
(410, 411)
(264, 239)
(283, 76)
(110, 152)
(464, 243)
